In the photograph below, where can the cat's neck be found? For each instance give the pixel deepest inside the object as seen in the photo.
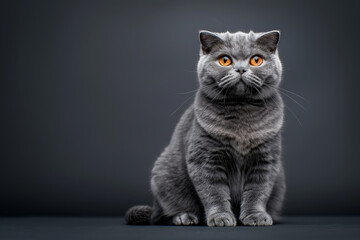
(237, 102)
(240, 124)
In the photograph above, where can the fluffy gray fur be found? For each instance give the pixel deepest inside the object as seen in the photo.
(223, 162)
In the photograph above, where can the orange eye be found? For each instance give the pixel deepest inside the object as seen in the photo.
(256, 61)
(225, 61)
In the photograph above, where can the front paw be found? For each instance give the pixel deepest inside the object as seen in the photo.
(257, 219)
(224, 219)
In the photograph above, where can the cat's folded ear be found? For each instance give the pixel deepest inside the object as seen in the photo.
(269, 40)
(208, 40)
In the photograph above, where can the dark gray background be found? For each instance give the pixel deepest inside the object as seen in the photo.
(88, 88)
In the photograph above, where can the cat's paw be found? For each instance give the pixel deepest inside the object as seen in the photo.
(224, 219)
(185, 219)
(257, 219)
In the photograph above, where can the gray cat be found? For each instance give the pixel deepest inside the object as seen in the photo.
(223, 162)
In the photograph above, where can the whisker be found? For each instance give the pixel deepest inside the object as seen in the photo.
(253, 80)
(225, 83)
(208, 87)
(256, 77)
(294, 115)
(281, 90)
(191, 91)
(299, 104)
(182, 104)
(263, 99)
(188, 92)
(295, 94)
(225, 100)
(226, 77)
(203, 110)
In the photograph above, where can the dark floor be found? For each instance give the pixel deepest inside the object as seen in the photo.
(114, 228)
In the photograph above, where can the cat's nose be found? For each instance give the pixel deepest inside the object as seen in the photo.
(241, 70)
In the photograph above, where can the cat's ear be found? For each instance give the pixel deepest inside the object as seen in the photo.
(269, 40)
(208, 40)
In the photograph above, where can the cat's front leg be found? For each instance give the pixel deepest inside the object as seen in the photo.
(253, 205)
(207, 172)
(262, 170)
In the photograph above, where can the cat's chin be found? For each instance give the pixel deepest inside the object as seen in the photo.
(242, 90)
(248, 93)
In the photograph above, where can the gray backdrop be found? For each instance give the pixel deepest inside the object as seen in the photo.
(88, 89)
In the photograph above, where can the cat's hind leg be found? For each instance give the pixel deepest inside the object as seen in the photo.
(176, 200)
(185, 219)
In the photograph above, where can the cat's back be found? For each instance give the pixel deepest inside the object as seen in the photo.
(174, 153)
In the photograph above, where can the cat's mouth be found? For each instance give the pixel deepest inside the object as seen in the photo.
(240, 79)
(241, 84)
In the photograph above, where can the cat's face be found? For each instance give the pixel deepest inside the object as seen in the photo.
(239, 64)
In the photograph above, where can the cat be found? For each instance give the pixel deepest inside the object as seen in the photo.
(223, 165)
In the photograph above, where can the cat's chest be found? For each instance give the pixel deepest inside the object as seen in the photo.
(245, 136)
(236, 171)
(242, 137)
(242, 133)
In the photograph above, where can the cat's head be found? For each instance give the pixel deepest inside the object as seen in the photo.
(239, 64)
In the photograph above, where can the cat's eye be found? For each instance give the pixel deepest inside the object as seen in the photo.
(256, 60)
(225, 61)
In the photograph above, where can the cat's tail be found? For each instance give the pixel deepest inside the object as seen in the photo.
(138, 215)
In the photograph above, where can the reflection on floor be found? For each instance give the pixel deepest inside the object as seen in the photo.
(114, 228)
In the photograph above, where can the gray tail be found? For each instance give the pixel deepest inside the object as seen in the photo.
(138, 215)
